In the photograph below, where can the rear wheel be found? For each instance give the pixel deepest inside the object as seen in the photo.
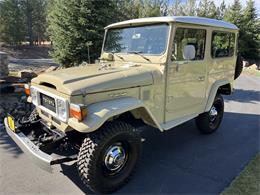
(209, 122)
(107, 157)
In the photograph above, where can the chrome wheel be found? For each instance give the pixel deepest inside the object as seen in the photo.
(213, 113)
(208, 122)
(115, 158)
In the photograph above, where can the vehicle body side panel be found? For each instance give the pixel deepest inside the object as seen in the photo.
(213, 92)
(220, 71)
(99, 113)
(182, 96)
(186, 84)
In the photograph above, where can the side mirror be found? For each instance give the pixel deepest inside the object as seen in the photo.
(188, 52)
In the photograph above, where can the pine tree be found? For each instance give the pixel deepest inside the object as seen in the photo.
(149, 8)
(73, 24)
(21, 19)
(221, 10)
(124, 10)
(27, 6)
(189, 8)
(35, 19)
(234, 15)
(40, 23)
(164, 7)
(175, 9)
(11, 19)
(130, 9)
(251, 47)
(207, 9)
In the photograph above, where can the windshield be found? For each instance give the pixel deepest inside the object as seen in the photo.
(150, 39)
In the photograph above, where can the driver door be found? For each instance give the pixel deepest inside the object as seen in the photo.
(186, 79)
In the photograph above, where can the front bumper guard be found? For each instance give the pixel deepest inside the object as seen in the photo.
(40, 158)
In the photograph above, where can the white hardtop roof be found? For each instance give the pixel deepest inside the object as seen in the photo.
(180, 19)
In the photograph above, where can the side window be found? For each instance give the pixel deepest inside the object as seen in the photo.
(188, 36)
(223, 44)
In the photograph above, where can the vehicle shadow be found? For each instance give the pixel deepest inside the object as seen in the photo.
(7, 144)
(242, 95)
(72, 173)
(184, 161)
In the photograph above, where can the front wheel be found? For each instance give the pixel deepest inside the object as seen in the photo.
(209, 122)
(107, 157)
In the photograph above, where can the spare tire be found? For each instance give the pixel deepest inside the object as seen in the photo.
(239, 66)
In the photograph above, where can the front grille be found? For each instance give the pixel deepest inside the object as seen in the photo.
(48, 102)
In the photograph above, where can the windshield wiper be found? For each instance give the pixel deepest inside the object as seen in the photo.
(115, 54)
(140, 54)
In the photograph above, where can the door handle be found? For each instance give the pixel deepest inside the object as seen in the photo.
(201, 78)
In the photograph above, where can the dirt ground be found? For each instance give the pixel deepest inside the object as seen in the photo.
(21, 58)
(10, 101)
(27, 52)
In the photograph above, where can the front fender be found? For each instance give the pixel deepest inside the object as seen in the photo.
(100, 112)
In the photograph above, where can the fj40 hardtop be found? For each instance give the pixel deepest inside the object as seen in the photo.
(158, 72)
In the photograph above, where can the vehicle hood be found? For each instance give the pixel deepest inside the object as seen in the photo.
(94, 78)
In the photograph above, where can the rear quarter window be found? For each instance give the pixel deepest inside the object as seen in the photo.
(222, 44)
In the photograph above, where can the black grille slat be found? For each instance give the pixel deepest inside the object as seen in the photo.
(48, 102)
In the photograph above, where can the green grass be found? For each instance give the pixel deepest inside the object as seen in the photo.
(248, 182)
(257, 74)
(251, 72)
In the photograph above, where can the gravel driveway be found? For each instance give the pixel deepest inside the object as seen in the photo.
(32, 64)
(181, 161)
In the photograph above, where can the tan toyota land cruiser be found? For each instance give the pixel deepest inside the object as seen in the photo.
(160, 72)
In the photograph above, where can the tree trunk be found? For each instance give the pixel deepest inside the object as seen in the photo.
(29, 21)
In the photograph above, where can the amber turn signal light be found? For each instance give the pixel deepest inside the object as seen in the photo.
(78, 111)
(27, 89)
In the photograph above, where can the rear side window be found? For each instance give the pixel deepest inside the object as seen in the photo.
(223, 44)
(188, 36)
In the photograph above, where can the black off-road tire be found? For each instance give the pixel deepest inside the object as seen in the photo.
(91, 166)
(239, 66)
(204, 121)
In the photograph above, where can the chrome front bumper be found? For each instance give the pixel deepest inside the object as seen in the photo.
(40, 158)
